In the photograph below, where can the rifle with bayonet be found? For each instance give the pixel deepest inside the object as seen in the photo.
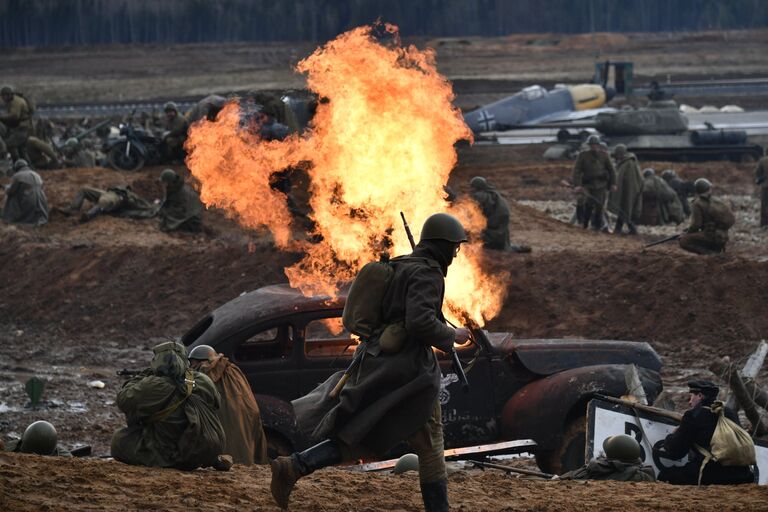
(664, 240)
(454, 356)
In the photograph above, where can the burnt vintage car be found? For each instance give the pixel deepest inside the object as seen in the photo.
(287, 343)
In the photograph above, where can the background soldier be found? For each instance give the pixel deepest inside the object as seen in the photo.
(710, 221)
(118, 201)
(25, 201)
(40, 438)
(593, 175)
(239, 413)
(496, 212)
(171, 414)
(75, 155)
(41, 154)
(394, 395)
(627, 200)
(181, 208)
(621, 462)
(660, 203)
(18, 120)
(761, 179)
(696, 428)
(176, 131)
(683, 189)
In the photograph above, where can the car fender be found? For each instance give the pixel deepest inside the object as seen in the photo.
(277, 415)
(541, 409)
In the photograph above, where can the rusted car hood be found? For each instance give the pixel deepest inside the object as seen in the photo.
(548, 356)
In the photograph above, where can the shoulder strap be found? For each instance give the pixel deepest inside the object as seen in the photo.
(189, 385)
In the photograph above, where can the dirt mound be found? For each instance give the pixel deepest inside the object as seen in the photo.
(31, 483)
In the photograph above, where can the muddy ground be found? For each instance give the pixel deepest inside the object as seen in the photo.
(78, 302)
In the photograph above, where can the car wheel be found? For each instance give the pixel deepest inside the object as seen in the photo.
(569, 455)
(117, 158)
(277, 445)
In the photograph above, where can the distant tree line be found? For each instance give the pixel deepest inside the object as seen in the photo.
(75, 22)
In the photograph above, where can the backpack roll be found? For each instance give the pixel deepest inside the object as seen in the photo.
(363, 310)
(731, 445)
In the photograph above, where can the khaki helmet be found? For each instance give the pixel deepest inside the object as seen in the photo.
(702, 186)
(170, 106)
(168, 175)
(39, 438)
(648, 172)
(20, 164)
(593, 139)
(71, 143)
(408, 462)
(622, 447)
(441, 226)
(478, 182)
(620, 149)
(669, 174)
(7, 89)
(202, 353)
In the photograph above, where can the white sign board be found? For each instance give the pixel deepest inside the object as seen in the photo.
(606, 419)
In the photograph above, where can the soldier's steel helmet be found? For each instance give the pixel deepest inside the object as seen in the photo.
(593, 139)
(202, 353)
(6, 89)
(648, 172)
(478, 182)
(168, 175)
(668, 174)
(170, 106)
(408, 462)
(71, 143)
(702, 186)
(621, 447)
(620, 149)
(441, 226)
(20, 164)
(39, 438)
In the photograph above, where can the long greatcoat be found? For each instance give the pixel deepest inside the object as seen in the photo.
(25, 201)
(239, 413)
(496, 212)
(392, 395)
(627, 200)
(182, 208)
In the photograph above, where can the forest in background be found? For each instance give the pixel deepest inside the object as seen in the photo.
(85, 22)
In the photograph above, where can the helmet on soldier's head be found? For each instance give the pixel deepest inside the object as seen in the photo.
(39, 438)
(648, 172)
(168, 176)
(593, 139)
(71, 143)
(441, 226)
(170, 106)
(478, 182)
(669, 174)
(20, 164)
(702, 186)
(622, 447)
(408, 462)
(6, 89)
(202, 353)
(620, 149)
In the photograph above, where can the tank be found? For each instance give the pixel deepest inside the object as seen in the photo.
(660, 131)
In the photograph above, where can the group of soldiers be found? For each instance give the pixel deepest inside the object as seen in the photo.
(637, 197)
(179, 210)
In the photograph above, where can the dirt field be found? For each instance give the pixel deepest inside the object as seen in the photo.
(81, 301)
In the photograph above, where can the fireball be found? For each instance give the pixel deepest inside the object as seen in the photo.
(381, 142)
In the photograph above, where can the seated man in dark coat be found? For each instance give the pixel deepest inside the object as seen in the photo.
(496, 212)
(25, 201)
(696, 428)
(181, 208)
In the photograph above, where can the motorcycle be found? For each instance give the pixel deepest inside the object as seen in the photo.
(134, 148)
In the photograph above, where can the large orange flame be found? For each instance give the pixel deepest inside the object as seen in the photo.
(381, 144)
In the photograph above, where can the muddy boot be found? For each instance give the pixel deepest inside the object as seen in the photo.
(223, 463)
(90, 214)
(632, 228)
(619, 226)
(435, 496)
(286, 471)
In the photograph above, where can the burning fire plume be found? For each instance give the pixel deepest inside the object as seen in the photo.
(381, 144)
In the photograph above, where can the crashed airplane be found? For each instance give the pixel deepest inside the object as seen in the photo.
(535, 104)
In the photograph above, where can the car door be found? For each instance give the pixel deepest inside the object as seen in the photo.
(267, 356)
(468, 417)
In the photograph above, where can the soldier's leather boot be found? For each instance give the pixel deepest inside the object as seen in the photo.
(619, 226)
(90, 214)
(286, 471)
(435, 496)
